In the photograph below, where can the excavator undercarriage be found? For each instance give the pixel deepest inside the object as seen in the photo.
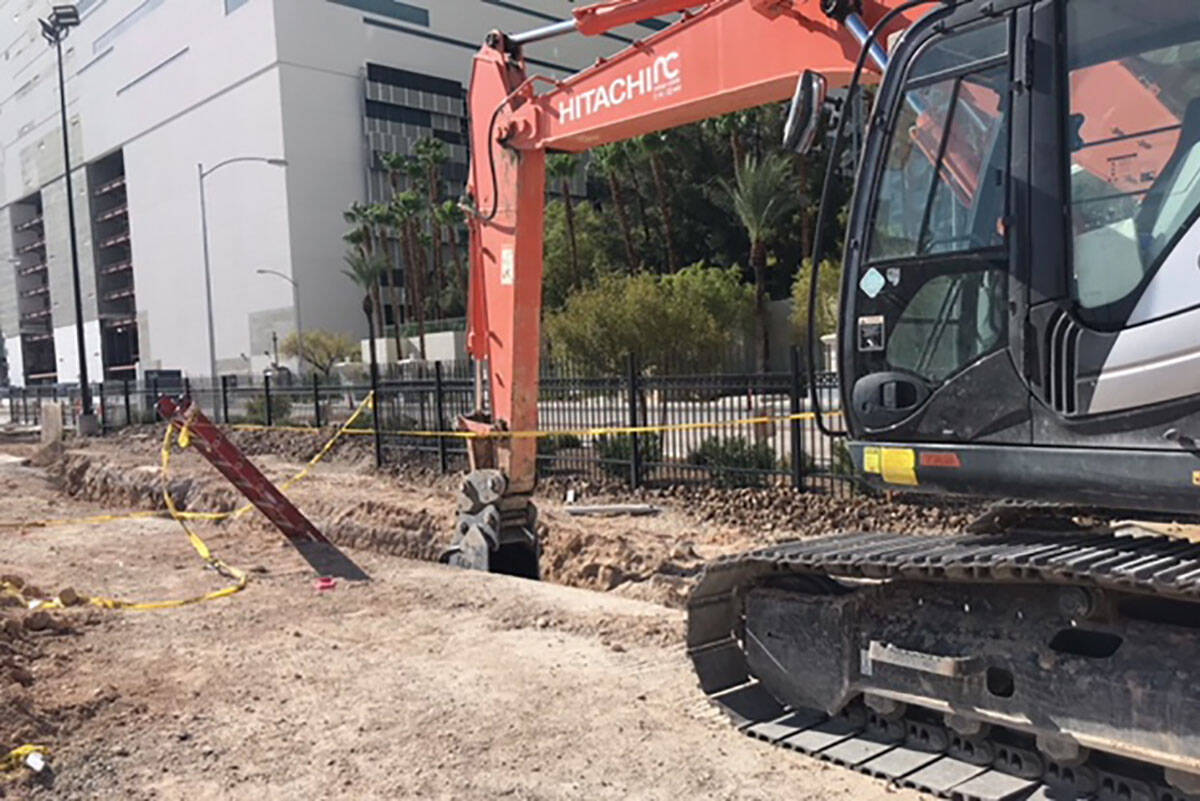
(974, 667)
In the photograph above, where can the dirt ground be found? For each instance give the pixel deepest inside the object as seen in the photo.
(424, 682)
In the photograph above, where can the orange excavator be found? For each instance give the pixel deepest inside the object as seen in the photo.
(1020, 318)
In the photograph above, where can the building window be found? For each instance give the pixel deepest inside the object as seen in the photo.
(392, 113)
(234, 5)
(405, 12)
(414, 80)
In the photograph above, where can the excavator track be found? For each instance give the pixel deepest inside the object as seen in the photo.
(762, 627)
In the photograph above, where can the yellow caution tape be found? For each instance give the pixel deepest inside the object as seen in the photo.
(367, 403)
(16, 757)
(209, 516)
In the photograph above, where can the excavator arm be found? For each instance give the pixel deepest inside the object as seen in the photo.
(717, 58)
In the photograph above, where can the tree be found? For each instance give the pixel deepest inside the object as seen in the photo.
(596, 242)
(560, 167)
(450, 218)
(609, 160)
(360, 236)
(621, 314)
(763, 198)
(364, 270)
(431, 153)
(384, 221)
(321, 349)
(730, 126)
(829, 287)
(654, 145)
(409, 206)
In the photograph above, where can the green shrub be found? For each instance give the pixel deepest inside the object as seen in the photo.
(616, 452)
(564, 441)
(734, 461)
(281, 410)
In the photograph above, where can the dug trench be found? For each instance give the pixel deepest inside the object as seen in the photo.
(407, 510)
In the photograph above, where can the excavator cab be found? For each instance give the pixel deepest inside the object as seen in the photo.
(1021, 296)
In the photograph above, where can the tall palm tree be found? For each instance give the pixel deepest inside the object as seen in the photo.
(384, 219)
(763, 198)
(609, 160)
(450, 218)
(730, 126)
(561, 168)
(361, 234)
(409, 206)
(631, 155)
(364, 270)
(654, 145)
(397, 166)
(431, 152)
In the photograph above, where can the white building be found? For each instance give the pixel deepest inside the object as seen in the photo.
(157, 87)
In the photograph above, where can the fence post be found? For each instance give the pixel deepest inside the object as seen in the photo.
(439, 397)
(187, 387)
(376, 402)
(267, 396)
(25, 405)
(316, 399)
(154, 399)
(128, 406)
(101, 409)
(225, 399)
(797, 432)
(635, 450)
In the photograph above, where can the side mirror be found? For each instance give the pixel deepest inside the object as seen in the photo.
(804, 113)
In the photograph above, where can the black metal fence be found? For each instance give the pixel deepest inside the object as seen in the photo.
(700, 432)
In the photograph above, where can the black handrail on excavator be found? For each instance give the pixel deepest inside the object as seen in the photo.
(869, 48)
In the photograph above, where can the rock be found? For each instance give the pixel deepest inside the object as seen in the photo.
(68, 597)
(39, 621)
(20, 675)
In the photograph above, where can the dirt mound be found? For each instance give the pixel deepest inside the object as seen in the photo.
(84, 474)
(627, 561)
(775, 513)
(296, 446)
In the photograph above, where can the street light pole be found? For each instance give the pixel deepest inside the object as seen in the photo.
(201, 175)
(212, 336)
(55, 29)
(296, 300)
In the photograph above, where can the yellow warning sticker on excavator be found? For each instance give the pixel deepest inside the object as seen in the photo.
(899, 466)
(1196, 477)
(871, 460)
